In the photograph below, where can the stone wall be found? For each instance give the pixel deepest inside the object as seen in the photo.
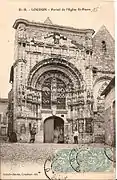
(110, 118)
(103, 50)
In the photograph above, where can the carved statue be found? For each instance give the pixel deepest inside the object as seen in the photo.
(21, 30)
(56, 36)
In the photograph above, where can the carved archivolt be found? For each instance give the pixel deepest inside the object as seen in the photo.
(55, 64)
(54, 74)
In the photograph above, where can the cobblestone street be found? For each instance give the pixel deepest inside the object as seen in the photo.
(26, 152)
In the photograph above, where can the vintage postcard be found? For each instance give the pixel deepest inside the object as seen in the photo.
(57, 90)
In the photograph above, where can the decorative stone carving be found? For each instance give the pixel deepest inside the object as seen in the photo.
(21, 32)
(66, 59)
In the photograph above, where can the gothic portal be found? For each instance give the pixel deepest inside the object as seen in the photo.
(57, 78)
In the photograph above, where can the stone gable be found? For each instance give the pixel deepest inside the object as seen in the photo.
(103, 50)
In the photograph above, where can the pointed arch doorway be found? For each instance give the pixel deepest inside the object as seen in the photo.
(50, 125)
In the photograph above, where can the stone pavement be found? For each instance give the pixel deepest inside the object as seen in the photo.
(34, 152)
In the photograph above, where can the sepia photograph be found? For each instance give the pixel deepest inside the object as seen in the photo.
(57, 90)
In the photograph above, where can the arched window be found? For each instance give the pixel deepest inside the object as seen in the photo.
(53, 91)
(60, 94)
(104, 46)
(46, 94)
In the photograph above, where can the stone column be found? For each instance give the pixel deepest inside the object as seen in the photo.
(39, 135)
(73, 112)
(88, 69)
(69, 112)
(27, 130)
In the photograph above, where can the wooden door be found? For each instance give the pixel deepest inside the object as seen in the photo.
(49, 130)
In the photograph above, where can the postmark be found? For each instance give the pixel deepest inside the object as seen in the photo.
(81, 159)
(50, 171)
(91, 159)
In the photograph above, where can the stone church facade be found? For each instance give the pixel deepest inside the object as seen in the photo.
(57, 78)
